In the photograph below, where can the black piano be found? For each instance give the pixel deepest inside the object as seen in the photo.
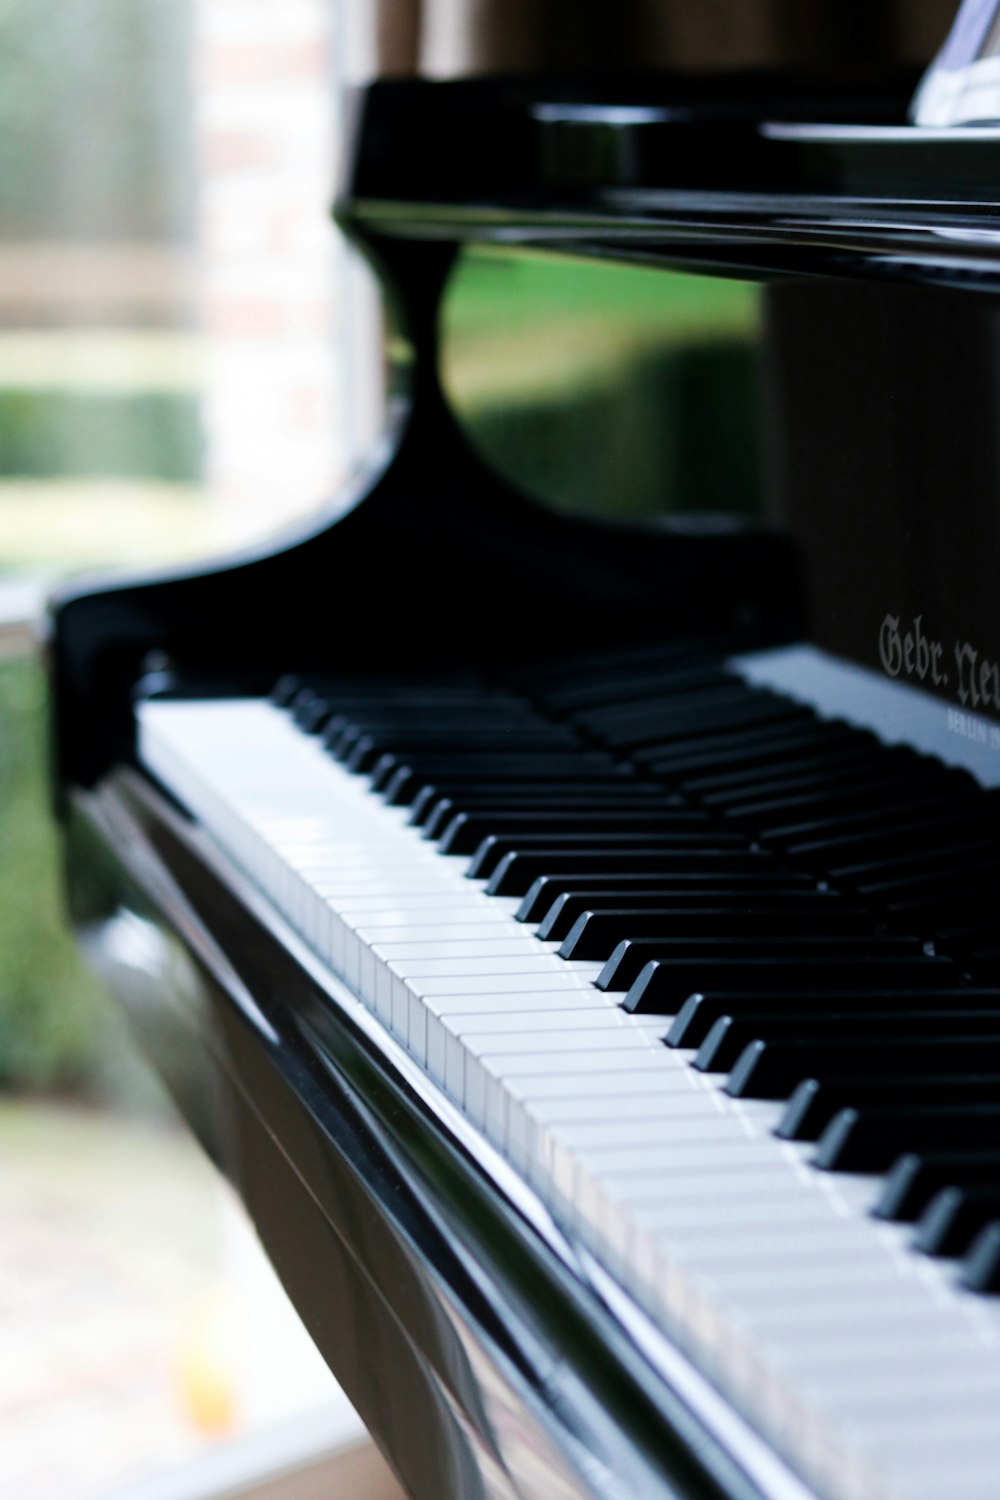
(576, 935)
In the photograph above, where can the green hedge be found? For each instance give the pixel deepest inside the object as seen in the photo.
(48, 434)
(673, 431)
(53, 1017)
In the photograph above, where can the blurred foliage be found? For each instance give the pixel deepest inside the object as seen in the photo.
(95, 119)
(675, 433)
(143, 434)
(494, 291)
(615, 390)
(53, 1016)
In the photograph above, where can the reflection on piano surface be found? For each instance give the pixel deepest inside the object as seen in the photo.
(577, 939)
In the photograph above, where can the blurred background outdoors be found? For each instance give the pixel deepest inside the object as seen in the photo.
(189, 358)
(175, 316)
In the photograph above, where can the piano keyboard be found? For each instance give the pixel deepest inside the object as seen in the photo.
(697, 961)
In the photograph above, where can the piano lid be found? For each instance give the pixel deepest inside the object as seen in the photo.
(759, 174)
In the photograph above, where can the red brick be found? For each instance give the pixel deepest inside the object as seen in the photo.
(224, 64)
(242, 317)
(236, 150)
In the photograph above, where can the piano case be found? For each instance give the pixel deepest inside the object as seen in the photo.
(494, 1342)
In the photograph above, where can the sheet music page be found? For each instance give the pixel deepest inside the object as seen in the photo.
(962, 85)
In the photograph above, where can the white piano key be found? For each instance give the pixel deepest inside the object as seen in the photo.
(531, 980)
(437, 935)
(518, 1002)
(418, 904)
(619, 1108)
(522, 1028)
(472, 950)
(435, 1023)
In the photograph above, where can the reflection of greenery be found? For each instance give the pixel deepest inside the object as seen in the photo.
(492, 290)
(51, 1012)
(674, 433)
(618, 389)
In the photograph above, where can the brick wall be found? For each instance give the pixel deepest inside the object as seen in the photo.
(279, 301)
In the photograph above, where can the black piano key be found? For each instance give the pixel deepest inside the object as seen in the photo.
(729, 1036)
(981, 1271)
(369, 749)
(917, 836)
(921, 888)
(816, 1101)
(412, 709)
(285, 689)
(347, 704)
(911, 818)
(870, 1140)
(596, 934)
(782, 953)
(872, 797)
(627, 727)
(743, 744)
(308, 711)
(665, 984)
(691, 842)
(915, 1178)
(658, 740)
(400, 778)
(984, 966)
(540, 678)
(433, 812)
(466, 831)
(621, 686)
(834, 776)
(547, 890)
(453, 785)
(787, 768)
(518, 871)
(688, 765)
(700, 1012)
(386, 687)
(968, 898)
(444, 732)
(727, 695)
(699, 733)
(874, 879)
(971, 938)
(954, 1217)
(570, 906)
(853, 756)
(773, 1069)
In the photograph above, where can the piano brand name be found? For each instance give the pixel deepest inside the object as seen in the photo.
(911, 652)
(907, 650)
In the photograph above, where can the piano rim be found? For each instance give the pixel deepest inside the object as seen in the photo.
(479, 1239)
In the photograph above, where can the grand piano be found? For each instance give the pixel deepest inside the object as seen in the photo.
(576, 937)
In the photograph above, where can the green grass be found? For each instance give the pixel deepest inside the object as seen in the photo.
(53, 1017)
(609, 389)
(495, 289)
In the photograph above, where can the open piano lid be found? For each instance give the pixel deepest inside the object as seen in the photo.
(758, 174)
